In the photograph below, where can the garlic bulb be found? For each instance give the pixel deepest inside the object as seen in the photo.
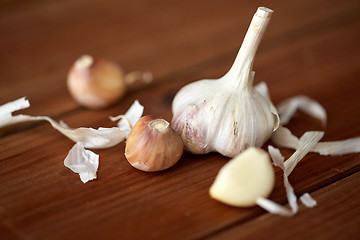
(227, 115)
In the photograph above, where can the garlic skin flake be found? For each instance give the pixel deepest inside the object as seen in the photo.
(89, 137)
(306, 143)
(227, 115)
(6, 110)
(288, 107)
(244, 179)
(131, 117)
(81, 161)
(283, 137)
(307, 200)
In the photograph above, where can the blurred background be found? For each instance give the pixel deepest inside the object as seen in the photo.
(40, 40)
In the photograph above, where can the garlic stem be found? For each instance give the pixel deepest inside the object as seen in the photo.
(242, 66)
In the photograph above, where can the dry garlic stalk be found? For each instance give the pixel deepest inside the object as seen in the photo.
(227, 115)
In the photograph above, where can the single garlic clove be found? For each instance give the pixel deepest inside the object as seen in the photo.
(153, 145)
(96, 82)
(245, 178)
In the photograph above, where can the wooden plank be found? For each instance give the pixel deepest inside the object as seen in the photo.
(124, 201)
(173, 202)
(276, 75)
(40, 198)
(335, 217)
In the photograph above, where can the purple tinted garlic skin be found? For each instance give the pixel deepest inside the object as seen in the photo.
(218, 124)
(227, 115)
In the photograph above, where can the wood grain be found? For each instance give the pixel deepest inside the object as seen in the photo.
(310, 222)
(310, 48)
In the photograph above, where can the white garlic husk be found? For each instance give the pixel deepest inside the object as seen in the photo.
(227, 115)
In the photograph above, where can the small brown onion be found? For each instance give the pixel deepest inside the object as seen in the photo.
(153, 145)
(96, 83)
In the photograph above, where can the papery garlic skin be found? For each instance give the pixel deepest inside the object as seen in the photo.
(227, 115)
(82, 161)
(215, 125)
(153, 145)
(89, 137)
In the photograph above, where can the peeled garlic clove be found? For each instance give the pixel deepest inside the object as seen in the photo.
(152, 145)
(96, 83)
(244, 179)
(227, 115)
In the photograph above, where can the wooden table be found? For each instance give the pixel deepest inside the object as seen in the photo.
(310, 48)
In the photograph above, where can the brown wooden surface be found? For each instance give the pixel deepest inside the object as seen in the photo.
(310, 48)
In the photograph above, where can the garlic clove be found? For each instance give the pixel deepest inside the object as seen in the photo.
(244, 179)
(153, 145)
(96, 82)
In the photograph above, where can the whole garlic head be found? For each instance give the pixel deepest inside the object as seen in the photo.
(227, 115)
